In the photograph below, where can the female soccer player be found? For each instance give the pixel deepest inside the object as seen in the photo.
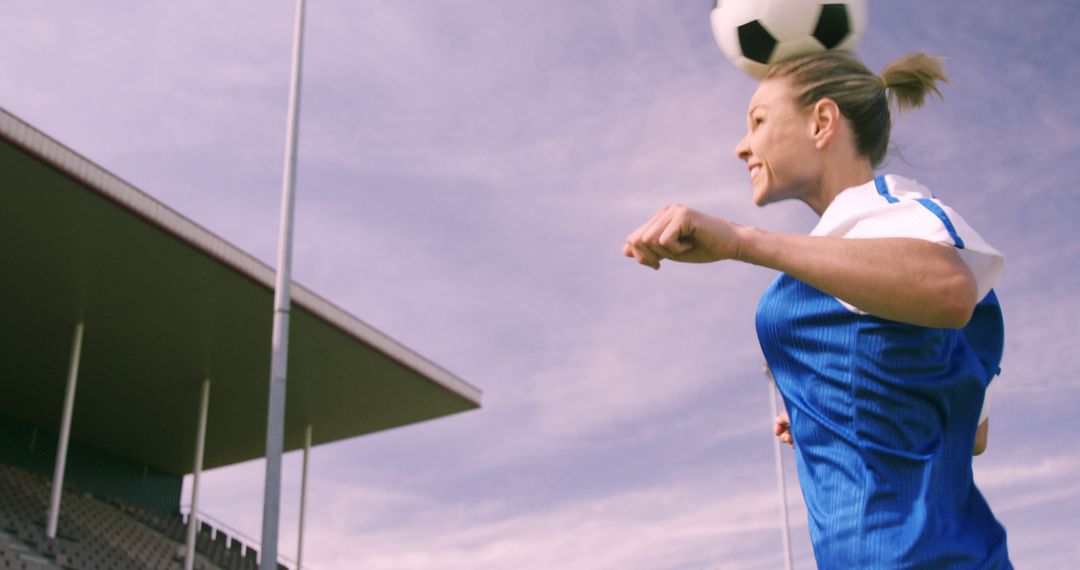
(882, 330)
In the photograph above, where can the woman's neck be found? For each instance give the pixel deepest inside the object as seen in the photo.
(836, 180)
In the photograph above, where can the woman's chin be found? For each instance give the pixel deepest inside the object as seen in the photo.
(763, 198)
(765, 195)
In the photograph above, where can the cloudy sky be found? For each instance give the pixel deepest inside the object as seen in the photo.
(468, 171)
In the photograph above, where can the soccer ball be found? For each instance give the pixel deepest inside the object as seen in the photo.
(754, 34)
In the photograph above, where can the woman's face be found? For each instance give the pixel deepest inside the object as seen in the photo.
(778, 147)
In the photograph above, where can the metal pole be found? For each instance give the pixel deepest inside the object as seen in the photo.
(275, 420)
(200, 446)
(65, 433)
(303, 500)
(780, 485)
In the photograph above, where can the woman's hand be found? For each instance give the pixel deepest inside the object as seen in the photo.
(782, 428)
(681, 234)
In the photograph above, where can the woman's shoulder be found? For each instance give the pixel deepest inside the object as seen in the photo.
(866, 201)
(887, 206)
(901, 188)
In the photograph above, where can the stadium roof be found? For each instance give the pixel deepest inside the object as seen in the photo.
(166, 304)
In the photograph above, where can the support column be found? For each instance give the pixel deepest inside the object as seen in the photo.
(780, 483)
(200, 446)
(65, 433)
(303, 500)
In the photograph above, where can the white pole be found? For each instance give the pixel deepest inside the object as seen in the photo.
(65, 433)
(303, 500)
(275, 420)
(200, 446)
(780, 485)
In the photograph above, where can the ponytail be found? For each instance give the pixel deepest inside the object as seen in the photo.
(911, 78)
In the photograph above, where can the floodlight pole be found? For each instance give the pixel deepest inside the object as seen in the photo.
(780, 485)
(65, 433)
(275, 420)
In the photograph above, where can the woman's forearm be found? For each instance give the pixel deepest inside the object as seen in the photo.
(902, 279)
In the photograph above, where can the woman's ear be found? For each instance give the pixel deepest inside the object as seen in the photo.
(825, 117)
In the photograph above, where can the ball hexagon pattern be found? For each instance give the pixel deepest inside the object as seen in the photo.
(754, 34)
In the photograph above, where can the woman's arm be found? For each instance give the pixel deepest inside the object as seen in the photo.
(902, 279)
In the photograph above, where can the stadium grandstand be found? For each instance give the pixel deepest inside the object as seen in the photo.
(135, 350)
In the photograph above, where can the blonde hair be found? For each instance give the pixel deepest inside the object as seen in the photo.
(863, 98)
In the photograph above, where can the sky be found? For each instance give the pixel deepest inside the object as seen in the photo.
(468, 172)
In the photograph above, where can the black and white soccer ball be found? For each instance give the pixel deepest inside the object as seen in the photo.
(754, 34)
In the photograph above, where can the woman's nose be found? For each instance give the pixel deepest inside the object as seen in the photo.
(742, 150)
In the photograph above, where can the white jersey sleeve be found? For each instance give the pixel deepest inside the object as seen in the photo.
(892, 206)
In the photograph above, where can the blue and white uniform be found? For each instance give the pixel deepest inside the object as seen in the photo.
(884, 414)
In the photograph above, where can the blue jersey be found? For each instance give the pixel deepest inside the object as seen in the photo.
(884, 414)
